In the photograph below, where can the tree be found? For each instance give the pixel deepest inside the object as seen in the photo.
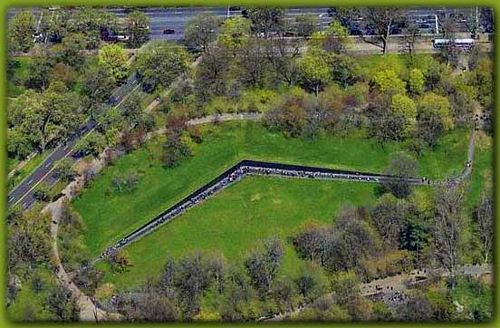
(251, 69)
(416, 82)
(160, 63)
(21, 30)
(448, 227)
(262, 265)
(306, 24)
(175, 149)
(114, 59)
(93, 144)
(401, 166)
(131, 110)
(388, 82)
(483, 216)
(119, 260)
(137, 28)
(63, 305)
(439, 105)
(201, 31)
(64, 170)
(345, 70)
(39, 71)
(411, 34)
(64, 73)
(29, 242)
(70, 50)
(46, 117)
(333, 39)
(404, 107)
(265, 20)
(90, 22)
(315, 70)
(282, 54)
(289, 117)
(98, 83)
(235, 33)
(211, 75)
(416, 309)
(312, 243)
(381, 19)
(388, 217)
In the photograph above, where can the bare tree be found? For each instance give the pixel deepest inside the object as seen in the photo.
(381, 19)
(447, 228)
(484, 226)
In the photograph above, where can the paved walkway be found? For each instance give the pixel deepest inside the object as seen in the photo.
(88, 309)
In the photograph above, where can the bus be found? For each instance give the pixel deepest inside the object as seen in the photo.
(460, 43)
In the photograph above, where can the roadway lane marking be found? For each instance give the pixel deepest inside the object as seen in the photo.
(50, 171)
(33, 171)
(65, 148)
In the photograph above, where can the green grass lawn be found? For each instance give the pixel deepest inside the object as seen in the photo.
(109, 215)
(239, 217)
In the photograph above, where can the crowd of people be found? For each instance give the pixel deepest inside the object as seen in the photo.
(236, 174)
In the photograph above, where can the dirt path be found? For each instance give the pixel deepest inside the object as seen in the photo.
(88, 309)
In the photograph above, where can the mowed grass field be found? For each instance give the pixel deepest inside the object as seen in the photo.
(239, 218)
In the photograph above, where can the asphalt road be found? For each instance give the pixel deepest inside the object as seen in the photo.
(175, 18)
(23, 193)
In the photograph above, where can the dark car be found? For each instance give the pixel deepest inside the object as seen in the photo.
(168, 31)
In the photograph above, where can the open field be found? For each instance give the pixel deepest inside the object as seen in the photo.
(239, 217)
(108, 214)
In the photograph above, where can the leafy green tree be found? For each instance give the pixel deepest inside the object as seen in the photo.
(114, 59)
(430, 127)
(439, 105)
(265, 20)
(405, 107)
(160, 63)
(39, 71)
(64, 169)
(90, 22)
(212, 74)
(315, 70)
(98, 84)
(93, 144)
(201, 31)
(138, 28)
(235, 33)
(388, 82)
(47, 117)
(416, 81)
(21, 29)
(345, 70)
(69, 51)
(64, 73)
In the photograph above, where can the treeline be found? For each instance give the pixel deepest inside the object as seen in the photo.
(33, 293)
(90, 25)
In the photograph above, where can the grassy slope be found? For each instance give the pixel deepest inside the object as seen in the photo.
(260, 207)
(110, 216)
